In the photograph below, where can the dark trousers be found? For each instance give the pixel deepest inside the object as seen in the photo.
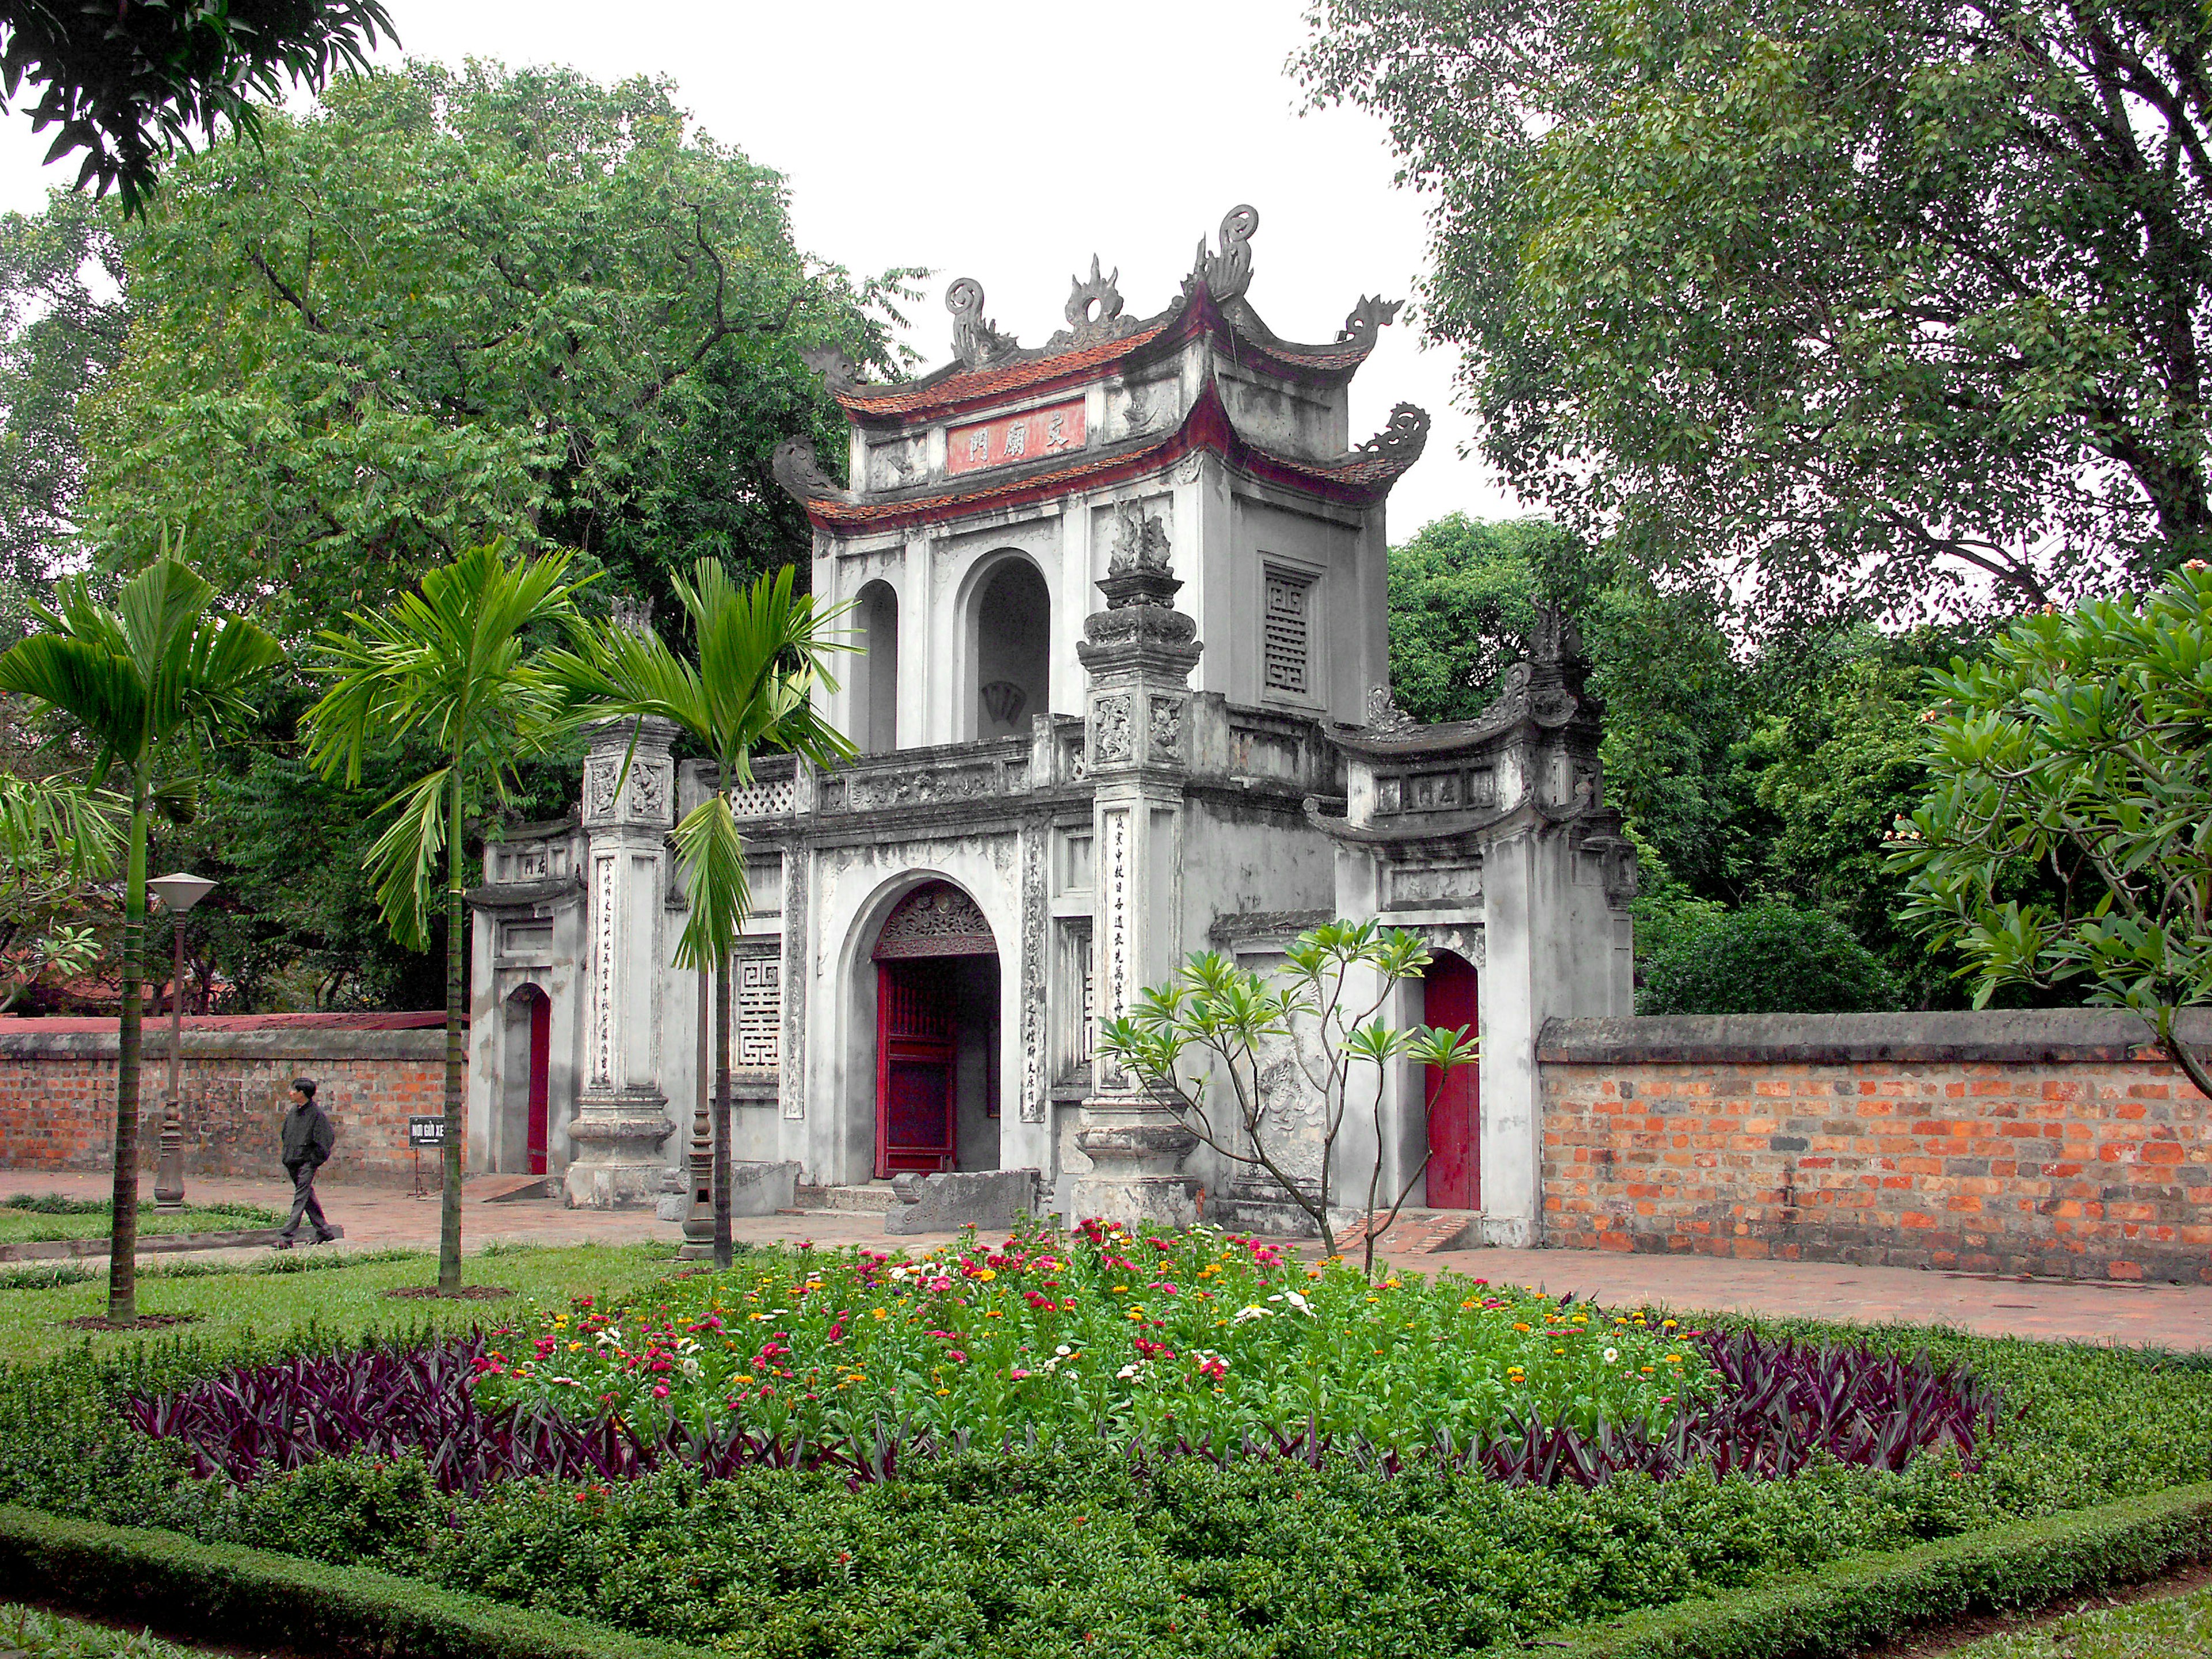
(304, 1201)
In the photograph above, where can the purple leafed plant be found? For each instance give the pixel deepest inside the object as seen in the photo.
(1784, 1403)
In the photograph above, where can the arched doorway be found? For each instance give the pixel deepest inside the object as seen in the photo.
(875, 674)
(527, 1077)
(1012, 636)
(937, 1035)
(1449, 999)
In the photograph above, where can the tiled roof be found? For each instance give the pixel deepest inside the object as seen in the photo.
(1359, 477)
(18, 1025)
(952, 389)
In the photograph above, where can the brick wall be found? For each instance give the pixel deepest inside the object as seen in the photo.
(2058, 1143)
(57, 1093)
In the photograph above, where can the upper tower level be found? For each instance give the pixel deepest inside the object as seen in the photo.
(989, 496)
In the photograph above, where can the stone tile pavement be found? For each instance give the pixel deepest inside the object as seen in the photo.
(2134, 1315)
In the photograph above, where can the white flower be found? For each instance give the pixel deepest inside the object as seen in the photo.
(1611, 1355)
(1253, 1312)
(691, 1369)
(1131, 1372)
(1063, 1351)
(1299, 1303)
(565, 1382)
(610, 1338)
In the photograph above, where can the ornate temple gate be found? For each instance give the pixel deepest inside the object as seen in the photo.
(917, 1025)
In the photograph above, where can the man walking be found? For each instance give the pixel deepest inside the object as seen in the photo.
(309, 1137)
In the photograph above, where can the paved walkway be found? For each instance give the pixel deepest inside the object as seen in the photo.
(2163, 1315)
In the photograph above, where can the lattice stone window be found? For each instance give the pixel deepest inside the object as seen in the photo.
(1288, 599)
(763, 798)
(757, 1005)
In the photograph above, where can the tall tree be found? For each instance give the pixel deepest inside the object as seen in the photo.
(1891, 302)
(763, 649)
(152, 681)
(455, 663)
(456, 305)
(127, 84)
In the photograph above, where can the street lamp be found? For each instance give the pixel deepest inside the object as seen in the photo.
(178, 894)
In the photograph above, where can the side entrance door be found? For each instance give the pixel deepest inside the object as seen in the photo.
(915, 1057)
(541, 1071)
(1456, 1118)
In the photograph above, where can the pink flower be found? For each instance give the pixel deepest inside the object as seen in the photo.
(660, 1391)
(956, 1357)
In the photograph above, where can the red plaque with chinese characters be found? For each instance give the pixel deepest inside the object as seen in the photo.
(1040, 432)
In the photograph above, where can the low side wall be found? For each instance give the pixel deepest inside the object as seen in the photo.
(57, 1097)
(2058, 1143)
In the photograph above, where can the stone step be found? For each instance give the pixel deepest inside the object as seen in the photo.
(1415, 1233)
(876, 1196)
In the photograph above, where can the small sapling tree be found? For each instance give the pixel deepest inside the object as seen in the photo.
(1209, 1046)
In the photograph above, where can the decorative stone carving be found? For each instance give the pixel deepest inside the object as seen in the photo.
(1367, 319)
(1036, 847)
(1114, 873)
(1383, 713)
(1403, 440)
(838, 372)
(602, 972)
(600, 778)
(976, 341)
(1188, 468)
(1093, 312)
(1141, 542)
(632, 616)
(1109, 729)
(796, 468)
(1004, 701)
(796, 979)
(1229, 273)
(1167, 729)
(935, 919)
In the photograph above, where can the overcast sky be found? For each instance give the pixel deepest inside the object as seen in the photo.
(1009, 144)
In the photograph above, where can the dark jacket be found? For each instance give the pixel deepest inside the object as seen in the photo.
(309, 1135)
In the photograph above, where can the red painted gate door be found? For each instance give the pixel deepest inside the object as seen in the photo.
(540, 1066)
(915, 1061)
(1455, 1116)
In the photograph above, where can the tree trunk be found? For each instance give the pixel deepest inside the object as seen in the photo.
(449, 1214)
(122, 1244)
(723, 1252)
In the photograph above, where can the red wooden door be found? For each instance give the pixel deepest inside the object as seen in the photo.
(541, 1068)
(1455, 1119)
(913, 1066)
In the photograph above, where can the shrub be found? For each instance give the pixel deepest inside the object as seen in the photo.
(1766, 959)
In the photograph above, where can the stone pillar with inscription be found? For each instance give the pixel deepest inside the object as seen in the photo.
(1137, 654)
(621, 1118)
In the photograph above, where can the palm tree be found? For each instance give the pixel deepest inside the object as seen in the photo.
(761, 650)
(150, 681)
(452, 664)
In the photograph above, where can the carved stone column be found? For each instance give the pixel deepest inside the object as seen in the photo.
(1138, 654)
(622, 1114)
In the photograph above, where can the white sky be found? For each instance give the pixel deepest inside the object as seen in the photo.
(1009, 144)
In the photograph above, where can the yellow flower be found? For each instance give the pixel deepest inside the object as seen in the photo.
(1520, 1327)
(1469, 1302)
(941, 1392)
(1667, 1324)
(881, 1313)
(987, 1274)
(1118, 1289)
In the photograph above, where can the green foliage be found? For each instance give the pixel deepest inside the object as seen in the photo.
(38, 1634)
(129, 86)
(452, 306)
(1766, 959)
(1872, 299)
(1217, 1023)
(2169, 1627)
(2080, 747)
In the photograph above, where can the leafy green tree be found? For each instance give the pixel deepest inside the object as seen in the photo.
(151, 681)
(1886, 303)
(2080, 748)
(452, 306)
(1203, 1045)
(127, 84)
(762, 648)
(1767, 958)
(454, 663)
(56, 837)
(63, 323)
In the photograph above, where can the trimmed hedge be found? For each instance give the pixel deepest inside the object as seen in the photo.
(1852, 1604)
(226, 1593)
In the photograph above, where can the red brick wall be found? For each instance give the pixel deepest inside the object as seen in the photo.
(2053, 1143)
(58, 1098)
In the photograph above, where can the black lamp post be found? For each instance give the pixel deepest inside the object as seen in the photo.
(178, 894)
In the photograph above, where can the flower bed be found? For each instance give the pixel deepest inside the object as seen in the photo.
(1197, 1343)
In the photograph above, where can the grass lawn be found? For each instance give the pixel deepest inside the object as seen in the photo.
(42, 1635)
(2177, 1628)
(26, 1220)
(343, 1300)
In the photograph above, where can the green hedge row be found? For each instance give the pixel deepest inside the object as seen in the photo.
(224, 1593)
(1855, 1603)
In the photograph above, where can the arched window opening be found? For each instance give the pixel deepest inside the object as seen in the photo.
(875, 675)
(1013, 650)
